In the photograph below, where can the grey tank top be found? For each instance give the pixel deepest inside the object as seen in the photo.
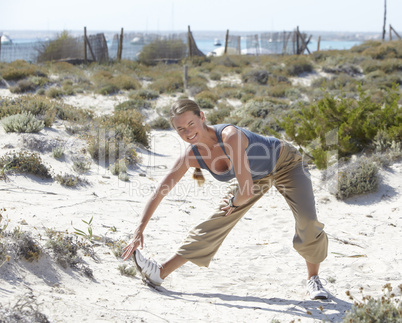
(262, 152)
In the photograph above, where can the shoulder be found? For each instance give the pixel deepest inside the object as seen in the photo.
(189, 157)
(233, 136)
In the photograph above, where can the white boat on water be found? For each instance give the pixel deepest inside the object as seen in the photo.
(5, 40)
(137, 41)
(217, 42)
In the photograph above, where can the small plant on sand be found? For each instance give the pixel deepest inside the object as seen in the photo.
(357, 178)
(387, 309)
(70, 180)
(118, 167)
(81, 166)
(88, 236)
(160, 123)
(58, 152)
(25, 163)
(26, 309)
(127, 270)
(65, 251)
(24, 122)
(143, 94)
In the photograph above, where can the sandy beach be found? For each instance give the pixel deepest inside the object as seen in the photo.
(255, 277)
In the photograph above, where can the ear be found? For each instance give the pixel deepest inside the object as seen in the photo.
(202, 116)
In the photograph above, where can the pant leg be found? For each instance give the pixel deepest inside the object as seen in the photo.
(204, 240)
(293, 181)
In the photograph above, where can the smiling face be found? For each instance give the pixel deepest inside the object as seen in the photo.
(189, 126)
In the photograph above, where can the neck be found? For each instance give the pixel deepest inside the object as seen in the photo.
(209, 138)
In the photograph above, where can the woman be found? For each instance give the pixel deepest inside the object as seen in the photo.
(257, 162)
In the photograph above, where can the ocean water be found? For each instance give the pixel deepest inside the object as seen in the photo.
(26, 43)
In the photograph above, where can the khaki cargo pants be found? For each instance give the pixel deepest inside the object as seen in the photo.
(292, 180)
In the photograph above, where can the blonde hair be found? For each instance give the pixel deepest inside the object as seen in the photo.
(178, 108)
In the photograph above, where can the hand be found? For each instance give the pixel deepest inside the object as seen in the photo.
(137, 241)
(227, 207)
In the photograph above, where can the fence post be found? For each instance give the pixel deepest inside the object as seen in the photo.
(297, 41)
(318, 45)
(85, 45)
(190, 47)
(226, 41)
(185, 77)
(397, 35)
(120, 47)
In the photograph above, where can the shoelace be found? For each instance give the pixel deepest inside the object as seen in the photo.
(315, 284)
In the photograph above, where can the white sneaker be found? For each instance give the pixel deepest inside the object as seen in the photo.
(148, 268)
(315, 289)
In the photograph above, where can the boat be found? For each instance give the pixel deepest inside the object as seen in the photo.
(137, 41)
(5, 40)
(217, 42)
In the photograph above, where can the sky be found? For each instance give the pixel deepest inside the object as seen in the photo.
(201, 15)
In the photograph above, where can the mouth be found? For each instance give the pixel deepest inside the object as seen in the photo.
(191, 138)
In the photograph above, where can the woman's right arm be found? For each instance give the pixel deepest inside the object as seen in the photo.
(166, 185)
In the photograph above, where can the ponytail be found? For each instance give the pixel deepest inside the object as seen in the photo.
(197, 175)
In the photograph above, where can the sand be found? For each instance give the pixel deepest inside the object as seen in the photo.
(256, 276)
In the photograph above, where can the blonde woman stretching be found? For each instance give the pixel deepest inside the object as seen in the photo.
(257, 162)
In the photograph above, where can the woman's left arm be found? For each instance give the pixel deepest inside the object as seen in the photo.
(235, 143)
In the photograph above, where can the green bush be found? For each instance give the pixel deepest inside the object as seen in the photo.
(160, 123)
(132, 104)
(255, 76)
(159, 50)
(54, 92)
(25, 163)
(173, 82)
(356, 122)
(207, 95)
(24, 122)
(143, 94)
(23, 86)
(205, 103)
(296, 65)
(63, 46)
(217, 116)
(19, 70)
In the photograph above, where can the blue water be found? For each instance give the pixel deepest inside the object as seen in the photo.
(26, 44)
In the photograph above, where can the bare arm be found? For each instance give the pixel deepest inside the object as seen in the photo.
(235, 145)
(166, 185)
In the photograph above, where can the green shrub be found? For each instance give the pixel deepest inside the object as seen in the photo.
(215, 76)
(217, 116)
(355, 121)
(159, 50)
(63, 46)
(23, 86)
(255, 76)
(207, 95)
(24, 162)
(160, 123)
(205, 103)
(54, 92)
(296, 65)
(132, 104)
(173, 82)
(24, 122)
(143, 94)
(126, 82)
(19, 70)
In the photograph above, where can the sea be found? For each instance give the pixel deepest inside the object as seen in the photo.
(26, 42)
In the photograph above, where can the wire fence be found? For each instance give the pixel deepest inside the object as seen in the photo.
(129, 45)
